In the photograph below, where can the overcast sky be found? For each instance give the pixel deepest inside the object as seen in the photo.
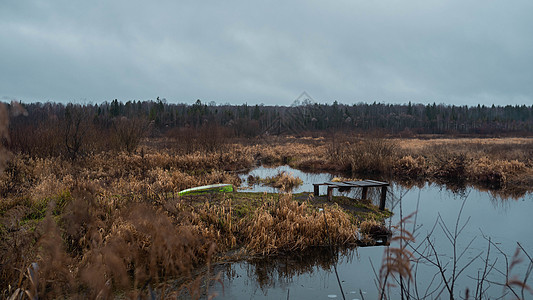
(392, 51)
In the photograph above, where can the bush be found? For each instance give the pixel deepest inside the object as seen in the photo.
(410, 168)
(372, 155)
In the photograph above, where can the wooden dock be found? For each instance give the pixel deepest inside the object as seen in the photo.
(364, 184)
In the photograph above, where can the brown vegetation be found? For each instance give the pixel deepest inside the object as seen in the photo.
(288, 226)
(503, 164)
(112, 223)
(283, 180)
(93, 213)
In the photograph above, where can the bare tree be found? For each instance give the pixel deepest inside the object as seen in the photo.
(15, 110)
(75, 128)
(129, 132)
(4, 124)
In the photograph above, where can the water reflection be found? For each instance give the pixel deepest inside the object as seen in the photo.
(461, 187)
(309, 178)
(270, 272)
(485, 213)
(275, 277)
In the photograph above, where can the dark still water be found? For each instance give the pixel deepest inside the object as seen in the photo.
(311, 275)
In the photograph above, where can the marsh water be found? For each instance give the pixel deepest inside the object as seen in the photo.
(505, 221)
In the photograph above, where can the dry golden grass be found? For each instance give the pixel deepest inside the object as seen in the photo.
(418, 144)
(88, 246)
(498, 163)
(283, 180)
(92, 247)
(286, 225)
(503, 163)
(110, 221)
(117, 231)
(411, 168)
(372, 229)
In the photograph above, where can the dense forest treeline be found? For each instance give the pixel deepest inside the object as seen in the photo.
(73, 125)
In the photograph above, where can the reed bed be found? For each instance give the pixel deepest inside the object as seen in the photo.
(110, 224)
(287, 225)
(283, 180)
(106, 223)
(504, 164)
(88, 245)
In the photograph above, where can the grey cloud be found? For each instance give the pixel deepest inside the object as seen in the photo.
(460, 52)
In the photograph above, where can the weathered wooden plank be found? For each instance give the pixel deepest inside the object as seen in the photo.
(330, 183)
(354, 183)
(364, 193)
(383, 197)
(342, 184)
(330, 192)
(362, 183)
(381, 183)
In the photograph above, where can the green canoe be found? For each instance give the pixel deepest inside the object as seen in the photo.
(213, 188)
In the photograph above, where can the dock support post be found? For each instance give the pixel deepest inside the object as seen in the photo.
(330, 193)
(364, 193)
(316, 189)
(383, 197)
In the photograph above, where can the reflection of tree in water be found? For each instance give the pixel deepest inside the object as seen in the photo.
(280, 271)
(509, 192)
(496, 195)
(410, 183)
(505, 194)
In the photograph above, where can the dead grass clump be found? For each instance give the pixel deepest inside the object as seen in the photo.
(17, 244)
(290, 226)
(35, 177)
(373, 230)
(50, 185)
(55, 276)
(294, 153)
(274, 154)
(89, 246)
(183, 180)
(409, 167)
(160, 248)
(284, 181)
(374, 155)
(142, 245)
(217, 176)
(216, 222)
(160, 181)
(369, 155)
(451, 167)
(495, 173)
(342, 179)
(251, 180)
(311, 163)
(16, 177)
